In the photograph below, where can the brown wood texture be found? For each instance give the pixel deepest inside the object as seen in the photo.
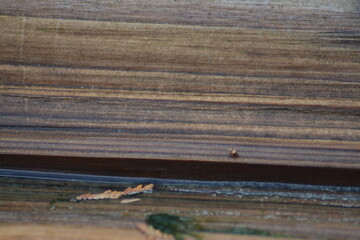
(182, 80)
(34, 209)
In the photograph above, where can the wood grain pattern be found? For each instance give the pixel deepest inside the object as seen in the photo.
(279, 82)
(337, 15)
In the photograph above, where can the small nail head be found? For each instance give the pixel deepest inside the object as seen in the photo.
(233, 153)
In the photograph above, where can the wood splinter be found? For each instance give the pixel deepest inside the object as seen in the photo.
(130, 200)
(109, 194)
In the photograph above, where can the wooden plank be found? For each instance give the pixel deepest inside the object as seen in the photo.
(28, 208)
(278, 82)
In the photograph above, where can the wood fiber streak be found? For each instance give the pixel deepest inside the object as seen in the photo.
(184, 80)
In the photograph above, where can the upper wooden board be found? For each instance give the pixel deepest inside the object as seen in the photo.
(182, 80)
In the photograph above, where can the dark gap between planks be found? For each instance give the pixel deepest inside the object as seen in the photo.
(184, 169)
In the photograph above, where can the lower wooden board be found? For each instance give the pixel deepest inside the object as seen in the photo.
(39, 209)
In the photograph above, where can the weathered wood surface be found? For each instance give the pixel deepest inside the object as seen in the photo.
(28, 210)
(184, 80)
